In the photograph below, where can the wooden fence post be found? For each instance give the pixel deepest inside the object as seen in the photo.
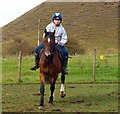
(19, 67)
(94, 66)
(38, 32)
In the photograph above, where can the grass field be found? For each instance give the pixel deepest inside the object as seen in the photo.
(83, 95)
(80, 69)
(89, 26)
(79, 98)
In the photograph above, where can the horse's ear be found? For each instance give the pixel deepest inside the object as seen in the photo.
(45, 31)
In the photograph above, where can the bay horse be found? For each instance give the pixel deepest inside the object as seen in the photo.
(50, 66)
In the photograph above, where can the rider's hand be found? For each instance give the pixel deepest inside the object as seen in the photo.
(59, 42)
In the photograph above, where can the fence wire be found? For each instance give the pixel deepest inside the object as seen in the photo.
(81, 67)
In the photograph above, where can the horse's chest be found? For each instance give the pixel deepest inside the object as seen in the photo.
(48, 69)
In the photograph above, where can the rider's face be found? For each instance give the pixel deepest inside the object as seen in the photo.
(57, 22)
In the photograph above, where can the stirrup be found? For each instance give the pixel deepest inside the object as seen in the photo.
(64, 70)
(33, 67)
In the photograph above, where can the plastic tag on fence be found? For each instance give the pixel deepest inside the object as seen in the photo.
(102, 57)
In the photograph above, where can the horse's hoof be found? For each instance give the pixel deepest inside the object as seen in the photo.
(50, 103)
(41, 107)
(62, 94)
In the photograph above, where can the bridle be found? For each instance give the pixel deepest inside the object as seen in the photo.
(48, 51)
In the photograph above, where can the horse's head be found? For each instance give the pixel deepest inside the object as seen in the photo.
(49, 42)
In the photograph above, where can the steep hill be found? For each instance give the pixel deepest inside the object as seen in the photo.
(88, 25)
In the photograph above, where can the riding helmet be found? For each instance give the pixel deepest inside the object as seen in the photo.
(57, 16)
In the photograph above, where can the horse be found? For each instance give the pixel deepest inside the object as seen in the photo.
(50, 66)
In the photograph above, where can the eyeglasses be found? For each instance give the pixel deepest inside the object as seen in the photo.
(57, 19)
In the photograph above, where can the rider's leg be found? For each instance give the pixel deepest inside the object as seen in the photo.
(36, 52)
(65, 58)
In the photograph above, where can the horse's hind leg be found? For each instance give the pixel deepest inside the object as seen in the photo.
(52, 88)
(62, 90)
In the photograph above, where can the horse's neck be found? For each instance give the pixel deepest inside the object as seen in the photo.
(50, 59)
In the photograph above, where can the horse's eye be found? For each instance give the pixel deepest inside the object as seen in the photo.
(48, 40)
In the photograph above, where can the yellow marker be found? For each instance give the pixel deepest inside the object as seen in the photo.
(102, 57)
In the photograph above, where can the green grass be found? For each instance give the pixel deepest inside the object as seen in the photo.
(80, 69)
(79, 98)
(81, 94)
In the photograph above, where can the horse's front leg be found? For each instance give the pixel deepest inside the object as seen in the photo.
(62, 90)
(52, 88)
(42, 84)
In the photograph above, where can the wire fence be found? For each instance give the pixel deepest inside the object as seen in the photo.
(94, 67)
(81, 68)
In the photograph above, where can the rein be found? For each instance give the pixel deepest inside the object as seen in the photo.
(52, 49)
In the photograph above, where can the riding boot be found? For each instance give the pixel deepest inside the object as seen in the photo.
(36, 66)
(64, 67)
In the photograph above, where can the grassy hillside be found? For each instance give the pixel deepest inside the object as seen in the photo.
(89, 25)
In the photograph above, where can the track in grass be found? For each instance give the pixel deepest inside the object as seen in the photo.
(79, 98)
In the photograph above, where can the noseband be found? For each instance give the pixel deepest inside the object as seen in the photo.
(49, 43)
(50, 50)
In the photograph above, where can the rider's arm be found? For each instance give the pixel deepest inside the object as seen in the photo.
(63, 37)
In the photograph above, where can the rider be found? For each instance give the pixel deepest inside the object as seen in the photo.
(60, 40)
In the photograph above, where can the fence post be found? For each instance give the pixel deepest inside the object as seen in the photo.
(94, 66)
(38, 32)
(19, 67)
